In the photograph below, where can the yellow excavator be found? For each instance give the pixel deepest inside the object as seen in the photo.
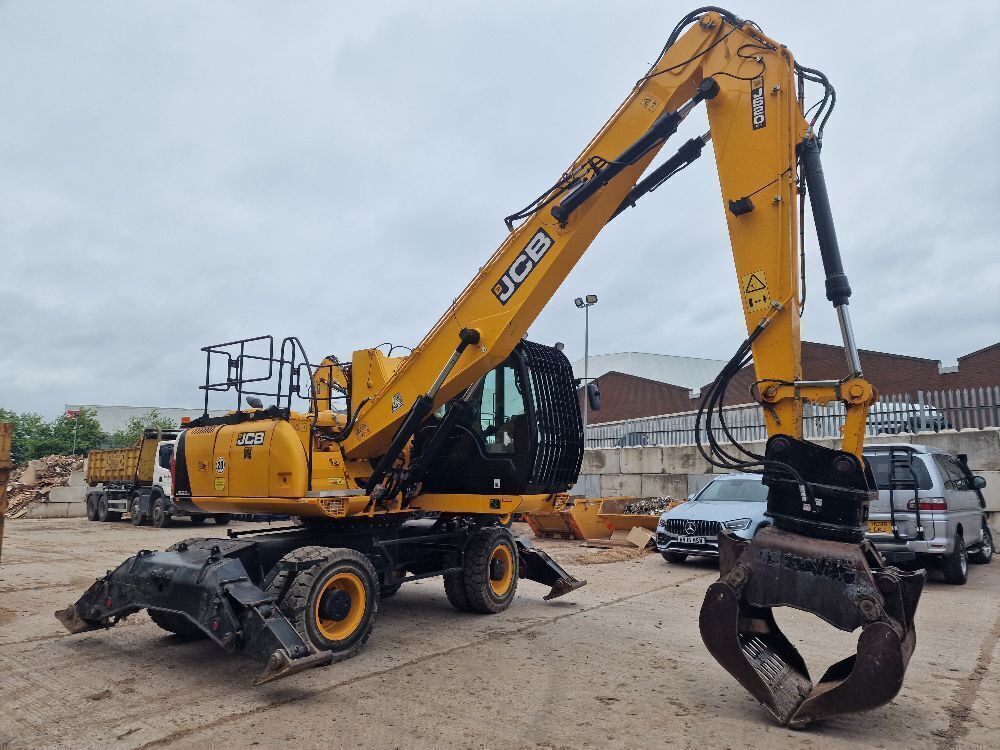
(407, 467)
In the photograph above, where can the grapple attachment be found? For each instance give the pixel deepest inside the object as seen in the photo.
(842, 582)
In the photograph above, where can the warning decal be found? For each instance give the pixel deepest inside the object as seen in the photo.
(754, 289)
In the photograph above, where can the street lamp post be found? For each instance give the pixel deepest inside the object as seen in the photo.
(585, 303)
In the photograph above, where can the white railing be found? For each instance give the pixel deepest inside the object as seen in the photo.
(924, 411)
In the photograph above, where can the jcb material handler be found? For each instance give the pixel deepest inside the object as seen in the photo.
(404, 467)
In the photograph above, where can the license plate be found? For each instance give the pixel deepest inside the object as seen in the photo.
(691, 539)
(880, 527)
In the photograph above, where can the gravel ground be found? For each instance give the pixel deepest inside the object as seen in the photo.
(618, 663)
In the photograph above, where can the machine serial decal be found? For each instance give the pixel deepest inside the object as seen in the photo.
(250, 438)
(525, 262)
(397, 402)
(220, 465)
(757, 103)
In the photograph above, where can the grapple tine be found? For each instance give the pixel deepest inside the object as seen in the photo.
(842, 583)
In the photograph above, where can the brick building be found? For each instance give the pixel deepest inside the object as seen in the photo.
(627, 396)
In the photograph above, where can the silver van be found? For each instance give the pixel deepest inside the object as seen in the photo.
(930, 509)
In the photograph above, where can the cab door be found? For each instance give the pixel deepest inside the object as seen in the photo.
(161, 470)
(961, 497)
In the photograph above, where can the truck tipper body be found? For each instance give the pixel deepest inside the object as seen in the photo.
(137, 481)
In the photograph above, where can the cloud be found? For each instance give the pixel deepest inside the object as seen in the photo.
(185, 173)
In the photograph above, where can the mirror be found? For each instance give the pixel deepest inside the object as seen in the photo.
(978, 482)
(254, 403)
(594, 395)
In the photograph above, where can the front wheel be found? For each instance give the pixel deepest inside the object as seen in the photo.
(984, 554)
(102, 509)
(489, 575)
(674, 557)
(956, 565)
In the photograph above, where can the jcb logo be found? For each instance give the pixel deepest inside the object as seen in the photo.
(522, 266)
(250, 438)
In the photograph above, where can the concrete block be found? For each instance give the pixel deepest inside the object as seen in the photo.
(67, 495)
(696, 482)
(684, 459)
(644, 460)
(992, 490)
(78, 479)
(664, 485)
(601, 461)
(982, 446)
(903, 438)
(57, 510)
(621, 484)
(589, 485)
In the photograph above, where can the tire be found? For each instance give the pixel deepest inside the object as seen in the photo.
(138, 517)
(345, 583)
(984, 553)
(489, 571)
(103, 515)
(454, 589)
(674, 557)
(222, 519)
(198, 520)
(176, 624)
(956, 565)
(161, 514)
(386, 591)
(91, 508)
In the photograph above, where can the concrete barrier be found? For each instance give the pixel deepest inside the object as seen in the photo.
(63, 502)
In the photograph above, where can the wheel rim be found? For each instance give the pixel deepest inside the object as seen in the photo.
(963, 562)
(501, 569)
(987, 543)
(340, 606)
(135, 508)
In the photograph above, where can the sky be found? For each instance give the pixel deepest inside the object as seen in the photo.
(177, 174)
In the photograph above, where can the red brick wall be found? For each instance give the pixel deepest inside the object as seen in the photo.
(975, 370)
(627, 397)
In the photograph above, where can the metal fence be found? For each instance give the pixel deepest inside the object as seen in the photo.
(924, 411)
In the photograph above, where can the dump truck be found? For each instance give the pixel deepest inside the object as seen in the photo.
(136, 480)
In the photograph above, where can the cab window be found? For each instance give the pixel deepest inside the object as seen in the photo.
(502, 423)
(951, 472)
(902, 479)
(166, 452)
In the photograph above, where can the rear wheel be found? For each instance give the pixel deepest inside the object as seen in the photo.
(674, 557)
(176, 623)
(102, 508)
(160, 514)
(956, 565)
(332, 603)
(91, 508)
(984, 554)
(135, 510)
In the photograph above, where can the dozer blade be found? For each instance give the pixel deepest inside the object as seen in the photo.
(204, 584)
(844, 584)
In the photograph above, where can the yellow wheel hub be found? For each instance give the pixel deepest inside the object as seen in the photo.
(340, 606)
(501, 569)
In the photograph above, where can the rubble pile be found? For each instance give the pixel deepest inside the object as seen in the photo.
(649, 506)
(31, 483)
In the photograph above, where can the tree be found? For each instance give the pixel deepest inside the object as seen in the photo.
(132, 431)
(34, 437)
(29, 431)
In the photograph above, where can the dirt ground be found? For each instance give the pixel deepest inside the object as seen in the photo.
(618, 663)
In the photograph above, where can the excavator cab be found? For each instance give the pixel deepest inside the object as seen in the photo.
(518, 431)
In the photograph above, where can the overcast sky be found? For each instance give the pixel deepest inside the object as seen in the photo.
(176, 174)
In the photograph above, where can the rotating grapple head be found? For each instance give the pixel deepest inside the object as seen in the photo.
(814, 559)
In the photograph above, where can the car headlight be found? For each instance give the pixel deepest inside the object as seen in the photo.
(737, 524)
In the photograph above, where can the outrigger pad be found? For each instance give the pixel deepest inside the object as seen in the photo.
(536, 565)
(847, 585)
(205, 582)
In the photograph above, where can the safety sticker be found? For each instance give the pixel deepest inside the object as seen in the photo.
(220, 484)
(754, 288)
(220, 465)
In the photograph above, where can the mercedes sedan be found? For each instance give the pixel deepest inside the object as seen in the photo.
(735, 502)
